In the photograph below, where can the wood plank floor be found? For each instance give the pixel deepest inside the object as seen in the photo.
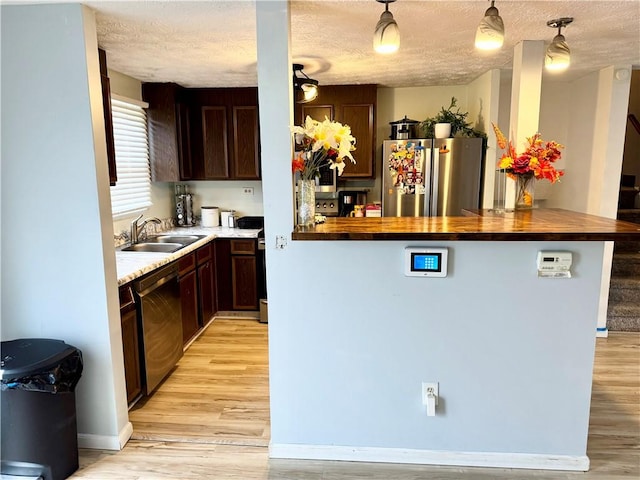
(614, 432)
(218, 393)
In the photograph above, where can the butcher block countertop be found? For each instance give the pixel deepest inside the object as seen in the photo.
(477, 225)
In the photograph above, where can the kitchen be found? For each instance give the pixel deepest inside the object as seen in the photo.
(281, 225)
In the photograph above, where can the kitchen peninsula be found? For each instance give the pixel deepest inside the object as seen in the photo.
(511, 351)
(477, 225)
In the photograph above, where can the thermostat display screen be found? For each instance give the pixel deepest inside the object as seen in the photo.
(426, 262)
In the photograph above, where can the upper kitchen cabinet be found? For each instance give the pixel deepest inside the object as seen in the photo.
(169, 132)
(225, 133)
(355, 106)
(108, 120)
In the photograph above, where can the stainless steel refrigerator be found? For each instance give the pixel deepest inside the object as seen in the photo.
(431, 177)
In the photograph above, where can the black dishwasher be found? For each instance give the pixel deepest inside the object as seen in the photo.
(160, 317)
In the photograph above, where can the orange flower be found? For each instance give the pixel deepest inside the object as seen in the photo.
(297, 165)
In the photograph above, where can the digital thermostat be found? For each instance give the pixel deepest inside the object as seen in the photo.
(554, 264)
(425, 262)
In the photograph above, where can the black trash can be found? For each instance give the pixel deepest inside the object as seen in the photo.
(39, 432)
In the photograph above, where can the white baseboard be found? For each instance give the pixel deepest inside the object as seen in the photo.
(106, 442)
(430, 457)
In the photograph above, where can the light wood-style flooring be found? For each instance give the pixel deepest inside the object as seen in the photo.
(218, 393)
(190, 452)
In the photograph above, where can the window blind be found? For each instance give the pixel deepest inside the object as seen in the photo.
(132, 192)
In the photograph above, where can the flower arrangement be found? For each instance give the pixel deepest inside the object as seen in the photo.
(536, 161)
(324, 143)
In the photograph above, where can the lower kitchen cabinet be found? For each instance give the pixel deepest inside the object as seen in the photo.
(130, 343)
(237, 274)
(187, 279)
(206, 283)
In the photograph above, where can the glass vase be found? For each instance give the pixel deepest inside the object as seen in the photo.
(306, 203)
(525, 189)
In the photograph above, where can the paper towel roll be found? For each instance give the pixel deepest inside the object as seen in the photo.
(210, 217)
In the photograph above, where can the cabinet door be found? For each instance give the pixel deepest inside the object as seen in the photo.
(246, 143)
(214, 143)
(317, 112)
(224, 290)
(131, 355)
(184, 141)
(244, 282)
(108, 118)
(164, 155)
(189, 305)
(360, 119)
(207, 292)
(130, 345)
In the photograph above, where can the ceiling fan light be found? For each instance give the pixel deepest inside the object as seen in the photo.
(558, 56)
(305, 88)
(490, 32)
(309, 92)
(386, 37)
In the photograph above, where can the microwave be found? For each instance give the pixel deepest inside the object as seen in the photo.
(327, 181)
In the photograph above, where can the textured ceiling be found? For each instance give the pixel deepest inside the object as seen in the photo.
(213, 43)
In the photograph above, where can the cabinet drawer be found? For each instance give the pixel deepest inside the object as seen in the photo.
(186, 263)
(243, 247)
(204, 254)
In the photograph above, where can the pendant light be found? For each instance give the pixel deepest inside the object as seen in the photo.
(304, 88)
(558, 55)
(490, 32)
(386, 38)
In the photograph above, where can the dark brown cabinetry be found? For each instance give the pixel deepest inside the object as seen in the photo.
(225, 136)
(202, 133)
(108, 119)
(187, 278)
(206, 283)
(130, 343)
(355, 106)
(168, 125)
(236, 267)
(197, 290)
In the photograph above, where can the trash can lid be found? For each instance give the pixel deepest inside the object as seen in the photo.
(28, 355)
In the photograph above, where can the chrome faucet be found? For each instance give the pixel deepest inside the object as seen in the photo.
(137, 229)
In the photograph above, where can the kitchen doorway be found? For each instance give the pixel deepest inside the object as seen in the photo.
(218, 392)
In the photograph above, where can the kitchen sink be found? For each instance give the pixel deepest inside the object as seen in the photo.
(182, 239)
(163, 243)
(164, 247)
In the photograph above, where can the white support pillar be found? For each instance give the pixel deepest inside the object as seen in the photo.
(526, 86)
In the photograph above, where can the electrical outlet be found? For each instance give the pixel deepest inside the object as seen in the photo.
(430, 387)
(281, 241)
(247, 190)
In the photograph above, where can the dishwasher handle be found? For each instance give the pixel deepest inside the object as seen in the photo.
(156, 279)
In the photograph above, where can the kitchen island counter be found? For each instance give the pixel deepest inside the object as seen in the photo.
(132, 265)
(477, 225)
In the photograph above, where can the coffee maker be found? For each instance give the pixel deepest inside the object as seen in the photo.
(184, 207)
(347, 199)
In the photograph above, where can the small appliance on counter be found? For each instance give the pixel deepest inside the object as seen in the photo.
(348, 199)
(210, 216)
(184, 207)
(404, 129)
(228, 218)
(250, 222)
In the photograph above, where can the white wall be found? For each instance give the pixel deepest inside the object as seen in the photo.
(346, 364)
(58, 264)
(484, 102)
(228, 195)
